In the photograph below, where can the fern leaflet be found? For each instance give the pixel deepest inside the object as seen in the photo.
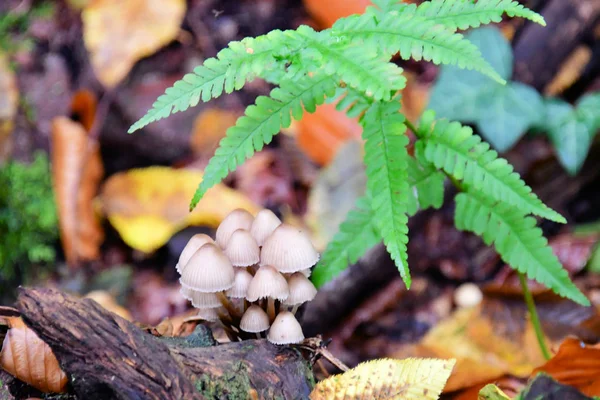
(356, 235)
(517, 239)
(229, 71)
(428, 183)
(386, 161)
(464, 14)
(414, 37)
(461, 154)
(352, 101)
(262, 121)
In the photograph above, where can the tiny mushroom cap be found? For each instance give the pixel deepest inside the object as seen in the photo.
(285, 329)
(242, 280)
(208, 314)
(208, 271)
(264, 224)
(191, 247)
(242, 249)
(306, 272)
(254, 320)
(301, 290)
(199, 299)
(237, 219)
(289, 250)
(267, 282)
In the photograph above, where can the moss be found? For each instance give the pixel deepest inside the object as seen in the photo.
(233, 385)
(201, 337)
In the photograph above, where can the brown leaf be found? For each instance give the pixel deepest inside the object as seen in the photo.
(25, 356)
(210, 127)
(576, 364)
(573, 251)
(321, 133)
(107, 301)
(76, 171)
(118, 33)
(9, 101)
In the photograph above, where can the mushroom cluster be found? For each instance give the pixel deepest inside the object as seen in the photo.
(252, 277)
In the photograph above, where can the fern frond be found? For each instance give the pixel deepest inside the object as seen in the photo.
(517, 239)
(428, 183)
(229, 71)
(262, 121)
(357, 66)
(461, 154)
(464, 14)
(414, 37)
(386, 161)
(356, 235)
(353, 102)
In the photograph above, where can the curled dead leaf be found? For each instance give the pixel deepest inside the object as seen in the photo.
(148, 205)
(118, 33)
(9, 101)
(28, 358)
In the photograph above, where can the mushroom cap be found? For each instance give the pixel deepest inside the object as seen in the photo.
(242, 249)
(306, 272)
(267, 282)
(301, 290)
(190, 248)
(237, 219)
(241, 282)
(264, 224)
(285, 329)
(288, 249)
(208, 270)
(255, 319)
(199, 299)
(208, 314)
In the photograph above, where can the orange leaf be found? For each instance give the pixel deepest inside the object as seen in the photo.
(576, 364)
(209, 128)
(77, 170)
(322, 133)
(327, 12)
(25, 356)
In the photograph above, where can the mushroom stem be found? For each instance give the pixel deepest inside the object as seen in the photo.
(258, 335)
(271, 309)
(295, 309)
(233, 312)
(246, 304)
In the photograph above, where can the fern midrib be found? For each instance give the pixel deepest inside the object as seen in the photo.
(483, 11)
(258, 128)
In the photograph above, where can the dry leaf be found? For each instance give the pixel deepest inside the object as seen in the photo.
(321, 133)
(576, 364)
(570, 71)
(25, 356)
(9, 103)
(411, 378)
(209, 128)
(76, 171)
(327, 12)
(147, 206)
(107, 301)
(118, 33)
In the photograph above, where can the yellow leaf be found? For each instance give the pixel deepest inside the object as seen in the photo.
(148, 205)
(9, 100)
(412, 378)
(117, 33)
(492, 392)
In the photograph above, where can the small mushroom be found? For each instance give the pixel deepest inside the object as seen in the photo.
(268, 284)
(241, 282)
(199, 299)
(255, 320)
(264, 224)
(190, 248)
(301, 291)
(208, 271)
(285, 329)
(242, 249)
(237, 219)
(289, 250)
(208, 314)
(306, 272)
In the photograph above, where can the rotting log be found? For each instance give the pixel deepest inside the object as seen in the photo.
(107, 357)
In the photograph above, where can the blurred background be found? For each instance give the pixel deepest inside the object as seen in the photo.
(87, 208)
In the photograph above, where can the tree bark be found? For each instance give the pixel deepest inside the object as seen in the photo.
(108, 357)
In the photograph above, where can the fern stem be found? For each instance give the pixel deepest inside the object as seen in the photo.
(411, 127)
(535, 320)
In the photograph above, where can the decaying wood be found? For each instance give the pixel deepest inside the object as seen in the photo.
(107, 357)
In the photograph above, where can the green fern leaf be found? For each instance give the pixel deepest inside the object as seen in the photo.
(262, 121)
(517, 239)
(428, 183)
(386, 160)
(229, 71)
(461, 154)
(356, 235)
(464, 14)
(414, 37)
(352, 101)
(357, 66)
